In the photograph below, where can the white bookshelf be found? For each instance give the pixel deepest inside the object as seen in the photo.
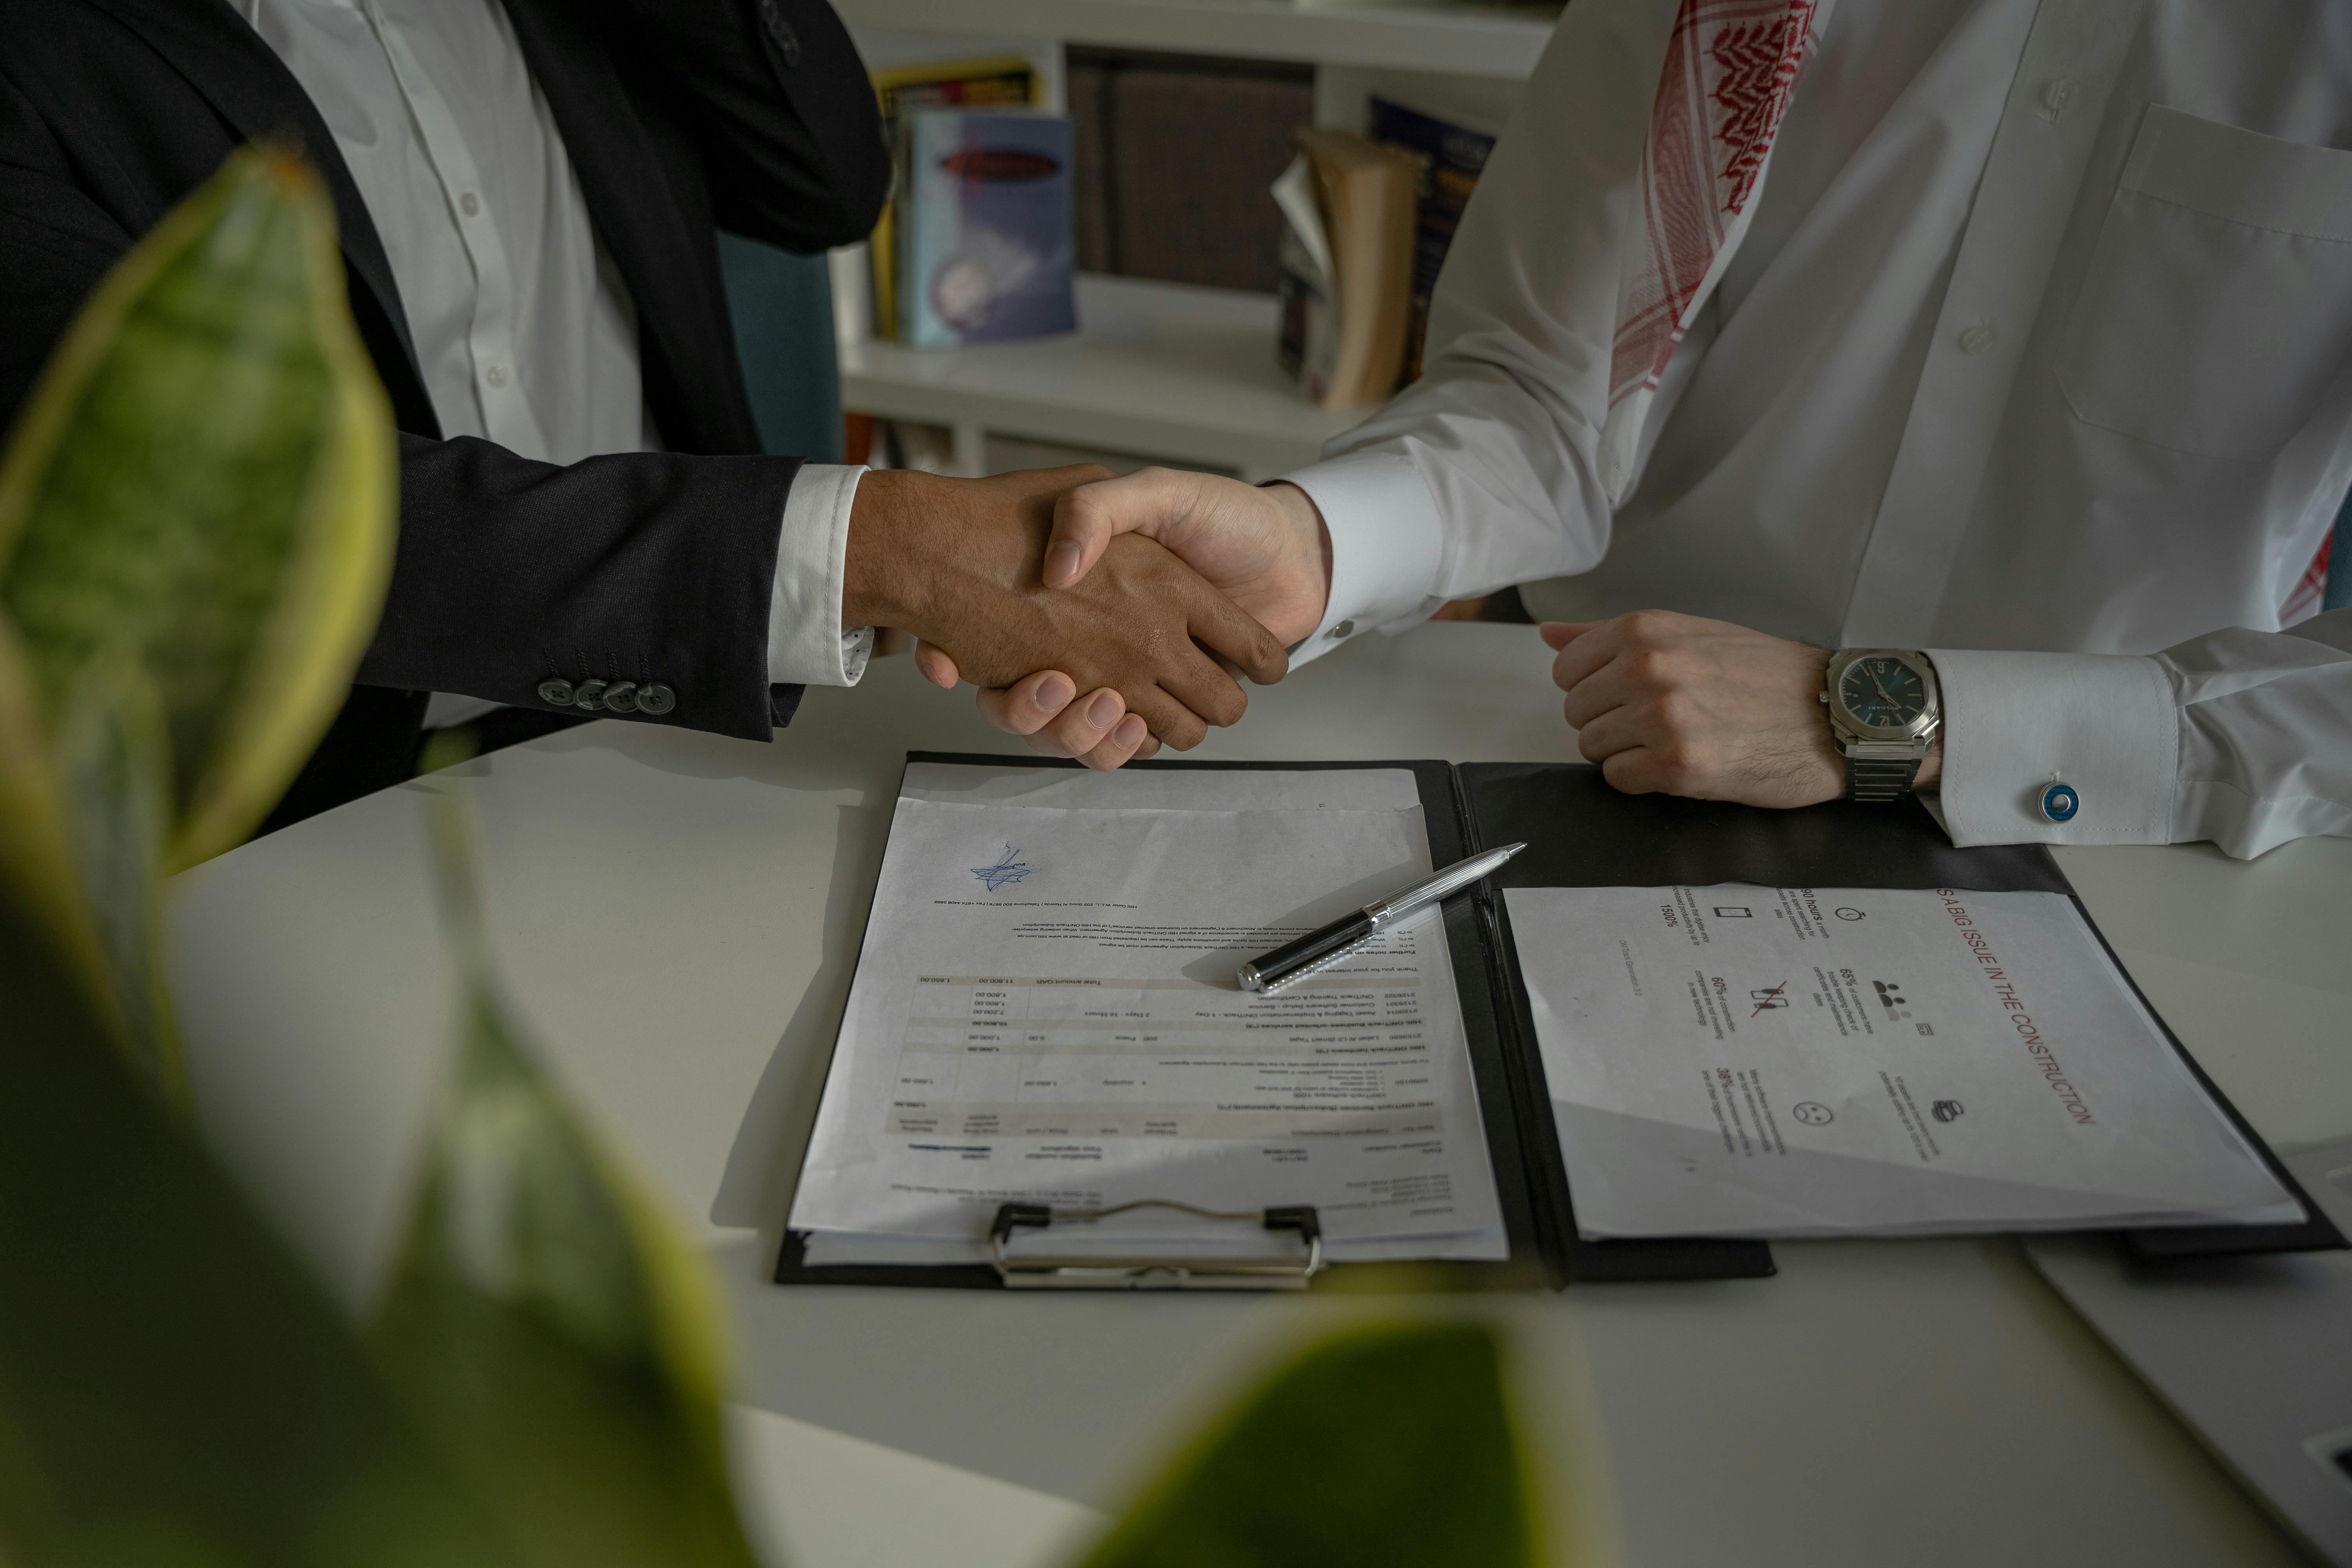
(1160, 370)
(1458, 40)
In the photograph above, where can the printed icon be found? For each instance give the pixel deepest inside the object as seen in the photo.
(1004, 873)
(1845, 915)
(1891, 998)
(1946, 1109)
(1812, 1113)
(1732, 913)
(1770, 997)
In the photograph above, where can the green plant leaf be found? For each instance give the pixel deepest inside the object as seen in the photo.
(204, 475)
(546, 1322)
(196, 515)
(1386, 1447)
(111, 760)
(174, 1388)
(37, 867)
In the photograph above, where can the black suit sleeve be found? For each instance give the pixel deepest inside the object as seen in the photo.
(779, 107)
(649, 567)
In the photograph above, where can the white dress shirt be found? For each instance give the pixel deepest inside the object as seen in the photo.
(524, 331)
(2040, 341)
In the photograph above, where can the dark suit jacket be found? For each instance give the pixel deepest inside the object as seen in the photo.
(678, 115)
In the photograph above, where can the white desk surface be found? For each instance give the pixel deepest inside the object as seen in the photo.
(677, 915)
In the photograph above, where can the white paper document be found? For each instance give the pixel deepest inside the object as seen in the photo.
(1739, 1060)
(1045, 1012)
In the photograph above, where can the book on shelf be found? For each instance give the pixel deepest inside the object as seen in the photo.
(1451, 156)
(1347, 265)
(1006, 81)
(983, 230)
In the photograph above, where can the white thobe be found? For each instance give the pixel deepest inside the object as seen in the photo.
(525, 334)
(2037, 354)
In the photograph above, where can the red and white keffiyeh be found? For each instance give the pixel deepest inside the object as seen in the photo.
(1730, 69)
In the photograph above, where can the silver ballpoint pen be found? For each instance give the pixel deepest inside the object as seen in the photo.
(1319, 950)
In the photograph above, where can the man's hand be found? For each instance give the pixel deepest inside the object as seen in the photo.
(1263, 547)
(959, 563)
(1675, 704)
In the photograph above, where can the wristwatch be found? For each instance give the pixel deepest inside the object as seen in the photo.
(1885, 712)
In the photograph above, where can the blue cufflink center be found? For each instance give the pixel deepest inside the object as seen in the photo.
(2060, 803)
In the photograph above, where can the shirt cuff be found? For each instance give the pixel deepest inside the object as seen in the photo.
(2104, 724)
(807, 644)
(1386, 544)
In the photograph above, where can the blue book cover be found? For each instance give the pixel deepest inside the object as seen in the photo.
(1452, 157)
(985, 237)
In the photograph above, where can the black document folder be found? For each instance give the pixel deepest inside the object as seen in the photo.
(1581, 833)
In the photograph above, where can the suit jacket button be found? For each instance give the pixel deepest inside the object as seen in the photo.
(655, 698)
(589, 695)
(556, 691)
(621, 697)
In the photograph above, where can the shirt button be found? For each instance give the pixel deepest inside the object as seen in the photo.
(2057, 98)
(495, 375)
(1975, 340)
(787, 42)
(556, 691)
(655, 698)
(469, 203)
(1344, 629)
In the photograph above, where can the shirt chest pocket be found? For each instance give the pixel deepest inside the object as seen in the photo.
(2218, 304)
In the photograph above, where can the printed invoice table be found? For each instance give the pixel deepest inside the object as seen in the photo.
(677, 914)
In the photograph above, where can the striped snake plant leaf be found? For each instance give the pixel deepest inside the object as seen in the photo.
(546, 1322)
(202, 484)
(108, 757)
(1389, 1446)
(175, 1387)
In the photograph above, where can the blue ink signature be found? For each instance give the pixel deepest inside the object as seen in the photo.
(1004, 873)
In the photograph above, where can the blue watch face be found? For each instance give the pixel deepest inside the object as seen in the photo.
(1883, 691)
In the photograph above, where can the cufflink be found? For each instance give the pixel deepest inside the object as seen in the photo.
(555, 691)
(2059, 801)
(655, 698)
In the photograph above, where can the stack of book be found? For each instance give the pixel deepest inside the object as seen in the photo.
(1347, 265)
(1451, 157)
(975, 241)
(983, 229)
(1367, 222)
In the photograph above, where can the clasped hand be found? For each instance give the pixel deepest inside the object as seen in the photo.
(1263, 547)
(961, 564)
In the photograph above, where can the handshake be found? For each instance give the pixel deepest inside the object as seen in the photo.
(1101, 616)
(1105, 617)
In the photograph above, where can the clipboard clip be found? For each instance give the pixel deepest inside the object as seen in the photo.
(1045, 1272)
